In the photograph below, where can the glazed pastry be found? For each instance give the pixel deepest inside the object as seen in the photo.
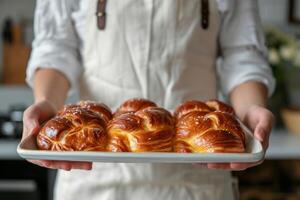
(209, 127)
(77, 127)
(140, 126)
(97, 108)
(134, 105)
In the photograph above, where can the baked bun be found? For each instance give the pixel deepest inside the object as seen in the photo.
(207, 127)
(140, 126)
(134, 105)
(77, 127)
(97, 108)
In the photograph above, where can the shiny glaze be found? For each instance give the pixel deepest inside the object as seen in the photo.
(207, 127)
(141, 127)
(77, 127)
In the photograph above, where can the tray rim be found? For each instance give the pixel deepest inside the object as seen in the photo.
(150, 157)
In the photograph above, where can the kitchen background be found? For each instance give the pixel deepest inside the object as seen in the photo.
(278, 178)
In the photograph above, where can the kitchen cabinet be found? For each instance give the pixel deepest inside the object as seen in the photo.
(278, 177)
(19, 178)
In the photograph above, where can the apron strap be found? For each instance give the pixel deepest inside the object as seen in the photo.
(205, 14)
(100, 14)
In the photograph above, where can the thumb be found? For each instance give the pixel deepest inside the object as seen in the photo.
(262, 133)
(29, 128)
(33, 127)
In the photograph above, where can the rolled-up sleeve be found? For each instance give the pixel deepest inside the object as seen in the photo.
(242, 47)
(56, 44)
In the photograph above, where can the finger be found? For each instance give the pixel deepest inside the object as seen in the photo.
(222, 166)
(233, 166)
(31, 113)
(82, 165)
(37, 162)
(243, 166)
(31, 129)
(58, 165)
(262, 134)
(51, 164)
(263, 129)
(65, 165)
(30, 124)
(45, 111)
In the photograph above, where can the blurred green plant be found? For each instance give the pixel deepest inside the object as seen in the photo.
(284, 52)
(284, 55)
(284, 58)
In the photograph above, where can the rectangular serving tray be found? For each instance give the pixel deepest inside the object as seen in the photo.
(254, 152)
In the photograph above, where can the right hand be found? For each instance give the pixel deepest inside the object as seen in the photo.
(33, 117)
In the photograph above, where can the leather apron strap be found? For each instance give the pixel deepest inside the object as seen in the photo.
(205, 14)
(101, 14)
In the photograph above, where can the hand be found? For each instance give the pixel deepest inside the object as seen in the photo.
(33, 117)
(260, 121)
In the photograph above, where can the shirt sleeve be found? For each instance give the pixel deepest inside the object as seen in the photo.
(56, 44)
(242, 47)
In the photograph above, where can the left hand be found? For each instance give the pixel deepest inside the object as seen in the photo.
(260, 121)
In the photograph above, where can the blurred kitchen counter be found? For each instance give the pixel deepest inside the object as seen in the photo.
(8, 149)
(283, 145)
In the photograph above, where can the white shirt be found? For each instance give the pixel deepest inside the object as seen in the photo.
(59, 33)
(153, 49)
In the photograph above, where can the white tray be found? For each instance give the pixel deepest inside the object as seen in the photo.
(254, 152)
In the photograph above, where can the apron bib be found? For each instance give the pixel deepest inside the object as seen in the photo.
(152, 49)
(164, 51)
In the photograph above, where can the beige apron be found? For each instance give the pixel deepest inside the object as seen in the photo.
(157, 50)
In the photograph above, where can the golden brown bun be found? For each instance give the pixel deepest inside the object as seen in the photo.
(139, 126)
(209, 106)
(98, 108)
(207, 127)
(134, 105)
(77, 127)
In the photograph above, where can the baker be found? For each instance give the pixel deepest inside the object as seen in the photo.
(166, 51)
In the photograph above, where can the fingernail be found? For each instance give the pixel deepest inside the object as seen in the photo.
(66, 169)
(260, 134)
(89, 167)
(33, 128)
(46, 163)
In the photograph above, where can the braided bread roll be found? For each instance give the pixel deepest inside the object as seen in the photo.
(207, 127)
(77, 127)
(140, 126)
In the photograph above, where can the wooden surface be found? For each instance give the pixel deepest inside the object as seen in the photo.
(15, 58)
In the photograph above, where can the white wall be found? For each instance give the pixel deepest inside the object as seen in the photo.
(275, 12)
(14, 96)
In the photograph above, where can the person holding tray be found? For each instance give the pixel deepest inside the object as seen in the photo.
(166, 51)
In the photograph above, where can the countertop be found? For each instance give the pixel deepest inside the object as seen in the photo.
(8, 149)
(283, 146)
